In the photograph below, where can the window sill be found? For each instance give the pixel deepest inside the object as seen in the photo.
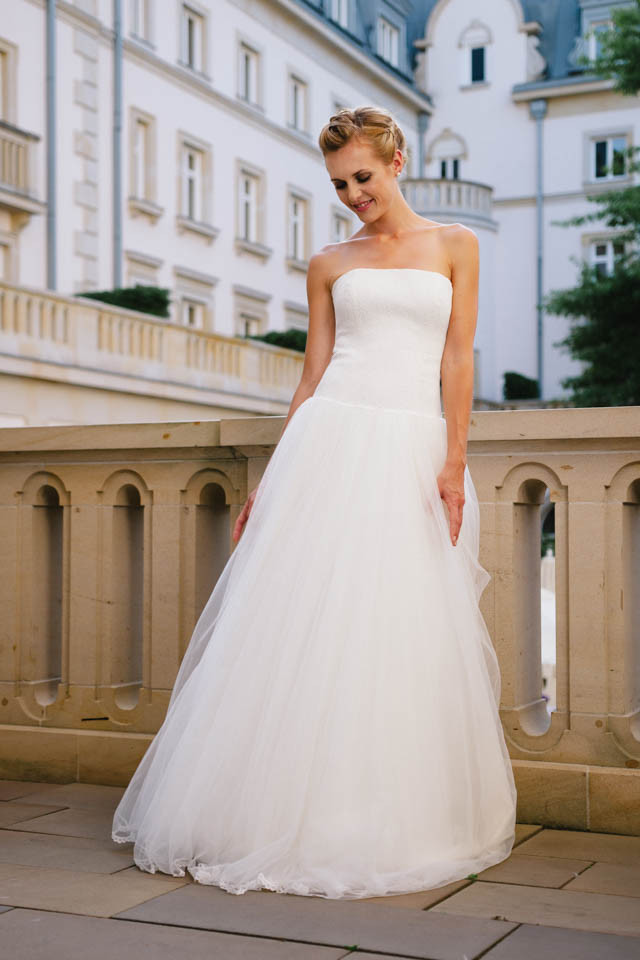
(136, 38)
(185, 224)
(475, 85)
(300, 265)
(251, 104)
(253, 247)
(299, 131)
(194, 72)
(140, 206)
(601, 185)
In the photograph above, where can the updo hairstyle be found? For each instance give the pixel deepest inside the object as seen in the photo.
(374, 125)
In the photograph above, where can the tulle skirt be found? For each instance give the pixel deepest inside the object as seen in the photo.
(333, 729)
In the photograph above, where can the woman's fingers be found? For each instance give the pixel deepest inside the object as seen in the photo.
(455, 506)
(243, 516)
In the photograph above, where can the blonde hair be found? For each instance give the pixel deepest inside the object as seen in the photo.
(372, 124)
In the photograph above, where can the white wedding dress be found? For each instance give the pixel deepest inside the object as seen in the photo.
(333, 729)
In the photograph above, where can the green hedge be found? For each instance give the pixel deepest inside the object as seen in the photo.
(518, 387)
(292, 338)
(145, 299)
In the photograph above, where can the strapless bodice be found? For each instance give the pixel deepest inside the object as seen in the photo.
(391, 326)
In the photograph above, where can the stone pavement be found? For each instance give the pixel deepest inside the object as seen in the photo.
(67, 891)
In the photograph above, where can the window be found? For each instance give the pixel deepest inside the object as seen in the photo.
(141, 268)
(339, 11)
(140, 182)
(192, 38)
(8, 76)
(4, 84)
(192, 313)
(193, 298)
(594, 33)
(192, 176)
(250, 324)
(388, 36)
(603, 254)
(608, 158)
(297, 103)
(340, 228)
(251, 313)
(449, 168)
(297, 223)
(248, 207)
(248, 60)
(6, 272)
(477, 64)
(139, 19)
(473, 45)
(142, 165)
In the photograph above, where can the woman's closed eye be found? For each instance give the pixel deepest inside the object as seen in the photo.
(341, 186)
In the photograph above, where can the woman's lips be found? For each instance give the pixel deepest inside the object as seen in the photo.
(364, 206)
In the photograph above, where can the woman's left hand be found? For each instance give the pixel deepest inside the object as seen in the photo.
(451, 487)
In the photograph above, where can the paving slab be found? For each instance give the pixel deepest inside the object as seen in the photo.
(15, 811)
(421, 900)
(616, 878)
(89, 795)
(40, 935)
(583, 845)
(14, 789)
(62, 852)
(339, 923)
(537, 871)
(525, 830)
(558, 943)
(556, 908)
(72, 891)
(93, 822)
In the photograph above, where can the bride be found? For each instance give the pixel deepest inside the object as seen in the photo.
(334, 725)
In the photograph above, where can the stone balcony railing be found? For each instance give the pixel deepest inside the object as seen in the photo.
(17, 180)
(450, 200)
(114, 535)
(81, 341)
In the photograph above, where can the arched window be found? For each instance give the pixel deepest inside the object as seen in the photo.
(474, 43)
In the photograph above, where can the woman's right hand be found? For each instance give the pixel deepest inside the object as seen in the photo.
(243, 516)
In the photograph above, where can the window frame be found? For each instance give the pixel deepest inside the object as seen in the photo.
(191, 10)
(338, 12)
(242, 93)
(608, 136)
(294, 78)
(388, 35)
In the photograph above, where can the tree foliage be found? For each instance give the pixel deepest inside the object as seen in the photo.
(605, 307)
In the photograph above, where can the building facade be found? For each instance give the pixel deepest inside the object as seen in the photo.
(174, 144)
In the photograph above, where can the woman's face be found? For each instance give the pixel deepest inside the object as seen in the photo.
(362, 181)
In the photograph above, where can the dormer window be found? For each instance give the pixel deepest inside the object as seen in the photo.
(594, 33)
(388, 41)
(339, 12)
(474, 54)
(477, 64)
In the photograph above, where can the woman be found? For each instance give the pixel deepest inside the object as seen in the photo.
(333, 729)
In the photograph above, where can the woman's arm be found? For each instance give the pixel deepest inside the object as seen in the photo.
(456, 368)
(320, 335)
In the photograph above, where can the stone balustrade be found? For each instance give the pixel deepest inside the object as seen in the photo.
(463, 200)
(87, 342)
(114, 535)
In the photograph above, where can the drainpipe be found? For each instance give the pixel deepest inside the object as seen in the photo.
(117, 143)
(51, 144)
(538, 109)
(423, 123)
